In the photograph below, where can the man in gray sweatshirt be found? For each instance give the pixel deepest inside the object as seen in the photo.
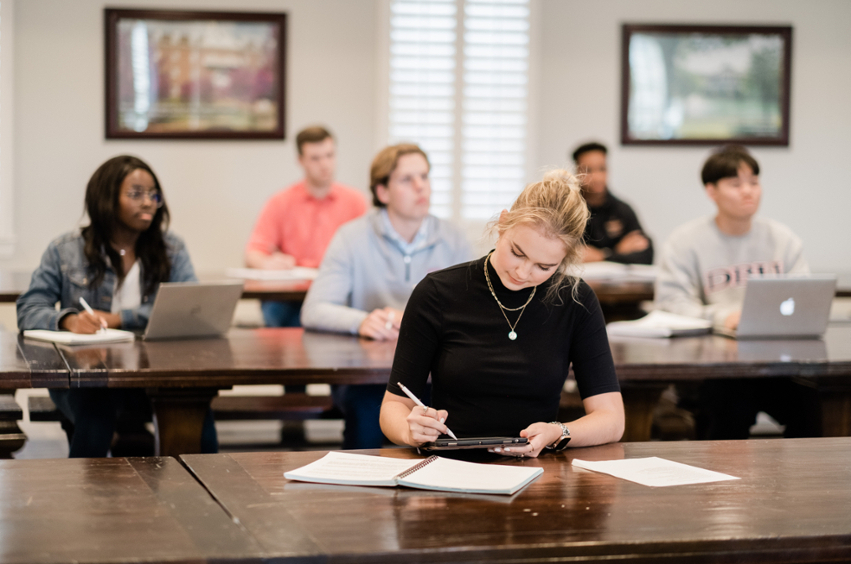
(371, 268)
(704, 269)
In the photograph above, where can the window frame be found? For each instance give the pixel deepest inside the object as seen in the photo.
(473, 227)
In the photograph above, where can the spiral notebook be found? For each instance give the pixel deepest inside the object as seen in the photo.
(68, 338)
(433, 473)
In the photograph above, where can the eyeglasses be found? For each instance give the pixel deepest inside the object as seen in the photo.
(137, 195)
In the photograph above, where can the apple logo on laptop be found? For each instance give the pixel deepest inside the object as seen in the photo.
(787, 307)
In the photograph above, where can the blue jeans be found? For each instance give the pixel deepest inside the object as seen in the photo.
(94, 413)
(281, 314)
(361, 407)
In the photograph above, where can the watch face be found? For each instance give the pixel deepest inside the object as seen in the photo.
(562, 444)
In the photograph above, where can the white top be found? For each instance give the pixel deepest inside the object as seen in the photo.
(129, 294)
(703, 272)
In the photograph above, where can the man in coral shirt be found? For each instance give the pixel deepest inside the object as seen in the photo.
(297, 224)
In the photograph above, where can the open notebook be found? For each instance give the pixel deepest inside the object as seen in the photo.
(433, 473)
(69, 338)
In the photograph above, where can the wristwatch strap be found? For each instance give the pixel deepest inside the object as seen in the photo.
(561, 443)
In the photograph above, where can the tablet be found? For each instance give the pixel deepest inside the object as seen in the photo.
(449, 443)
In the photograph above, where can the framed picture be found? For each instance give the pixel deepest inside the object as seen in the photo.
(194, 75)
(700, 85)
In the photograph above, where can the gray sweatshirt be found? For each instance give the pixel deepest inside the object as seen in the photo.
(364, 269)
(703, 272)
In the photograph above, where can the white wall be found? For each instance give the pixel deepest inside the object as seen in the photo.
(806, 185)
(214, 188)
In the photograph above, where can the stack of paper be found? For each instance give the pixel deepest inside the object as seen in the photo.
(297, 273)
(660, 324)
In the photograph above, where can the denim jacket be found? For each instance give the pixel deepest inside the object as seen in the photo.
(63, 275)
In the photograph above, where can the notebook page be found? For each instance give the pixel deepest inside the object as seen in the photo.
(445, 474)
(654, 471)
(352, 469)
(69, 338)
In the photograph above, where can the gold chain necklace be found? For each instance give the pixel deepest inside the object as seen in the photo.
(511, 334)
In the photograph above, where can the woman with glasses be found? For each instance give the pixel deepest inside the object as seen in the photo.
(115, 264)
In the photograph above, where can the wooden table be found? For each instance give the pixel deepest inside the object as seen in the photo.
(646, 367)
(183, 376)
(24, 364)
(609, 292)
(790, 505)
(113, 510)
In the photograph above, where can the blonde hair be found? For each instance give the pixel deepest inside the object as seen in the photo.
(556, 207)
(385, 163)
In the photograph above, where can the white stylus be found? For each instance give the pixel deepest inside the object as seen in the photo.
(421, 404)
(89, 309)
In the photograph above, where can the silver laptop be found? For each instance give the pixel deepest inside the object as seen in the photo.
(193, 309)
(785, 307)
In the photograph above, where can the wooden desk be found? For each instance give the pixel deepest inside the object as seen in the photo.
(183, 376)
(790, 505)
(25, 364)
(609, 292)
(843, 285)
(646, 367)
(30, 364)
(113, 510)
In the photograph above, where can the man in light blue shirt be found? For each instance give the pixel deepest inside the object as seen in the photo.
(371, 267)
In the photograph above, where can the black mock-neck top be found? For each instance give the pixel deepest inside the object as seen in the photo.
(491, 385)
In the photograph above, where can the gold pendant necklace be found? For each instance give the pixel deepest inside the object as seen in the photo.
(511, 334)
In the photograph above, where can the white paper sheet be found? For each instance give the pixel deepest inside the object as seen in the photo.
(659, 324)
(297, 273)
(653, 471)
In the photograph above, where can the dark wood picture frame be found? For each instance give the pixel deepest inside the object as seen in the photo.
(267, 113)
(779, 89)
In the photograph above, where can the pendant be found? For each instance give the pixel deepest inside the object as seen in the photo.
(512, 335)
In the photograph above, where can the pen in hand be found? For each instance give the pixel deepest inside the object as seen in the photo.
(89, 309)
(421, 404)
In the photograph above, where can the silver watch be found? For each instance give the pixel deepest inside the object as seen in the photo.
(561, 442)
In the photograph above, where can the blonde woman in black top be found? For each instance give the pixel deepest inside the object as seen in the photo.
(498, 336)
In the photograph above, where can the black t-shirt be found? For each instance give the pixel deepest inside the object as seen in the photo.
(609, 224)
(489, 384)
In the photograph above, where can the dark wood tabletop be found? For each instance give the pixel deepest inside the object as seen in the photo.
(790, 505)
(25, 363)
(185, 372)
(609, 292)
(113, 510)
(296, 356)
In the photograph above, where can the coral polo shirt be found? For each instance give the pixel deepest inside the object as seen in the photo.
(298, 224)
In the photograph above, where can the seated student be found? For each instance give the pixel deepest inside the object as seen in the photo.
(296, 225)
(371, 267)
(499, 334)
(116, 264)
(704, 268)
(613, 233)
